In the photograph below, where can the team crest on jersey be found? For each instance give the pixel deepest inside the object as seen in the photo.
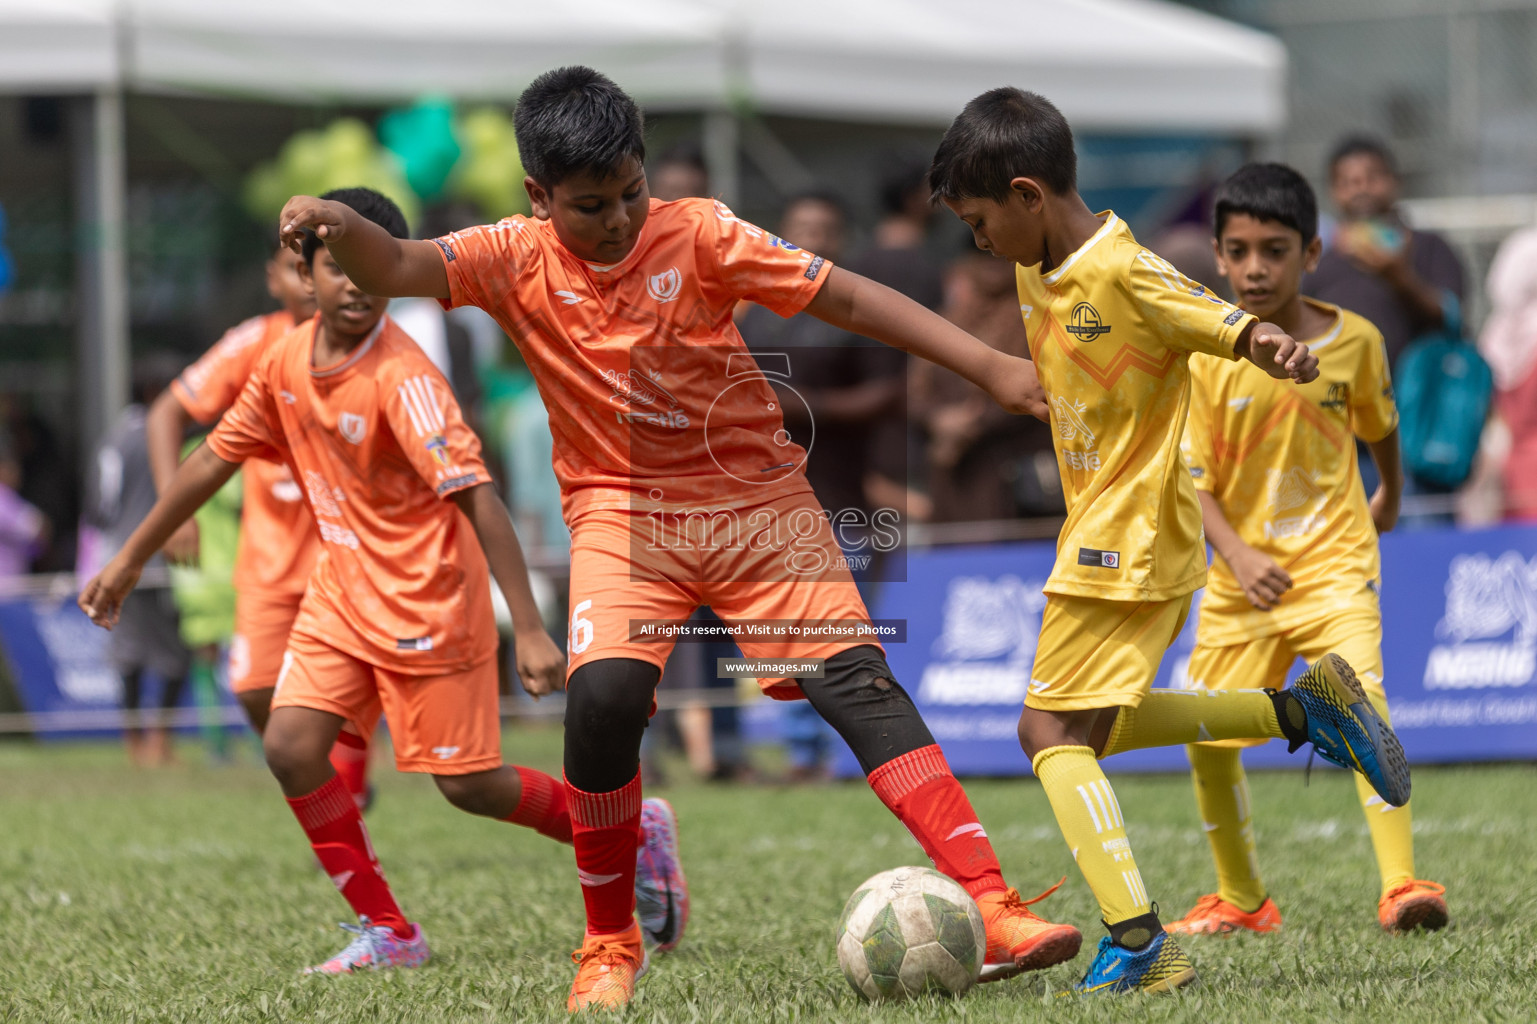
(1085, 324)
(438, 449)
(664, 287)
(352, 427)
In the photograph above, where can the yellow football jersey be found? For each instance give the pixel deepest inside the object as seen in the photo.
(1111, 331)
(1280, 458)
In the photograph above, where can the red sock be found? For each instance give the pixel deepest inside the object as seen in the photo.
(340, 839)
(542, 807)
(349, 756)
(606, 832)
(920, 790)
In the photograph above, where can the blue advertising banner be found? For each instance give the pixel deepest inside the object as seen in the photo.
(1460, 649)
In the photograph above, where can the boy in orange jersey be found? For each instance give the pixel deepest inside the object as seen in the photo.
(278, 541)
(1111, 328)
(397, 616)
(682, 488)
(1298, 568)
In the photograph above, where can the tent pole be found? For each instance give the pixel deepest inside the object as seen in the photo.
(101, 263)
(722, 137)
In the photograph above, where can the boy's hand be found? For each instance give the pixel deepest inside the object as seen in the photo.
(102, 598)
(1015, 386)
(324, 217)
(1262, 580)
(1281, 355)
(1384, 507)
(541, 665)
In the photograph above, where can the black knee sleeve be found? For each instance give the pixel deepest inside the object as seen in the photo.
(858, 697)
(608, 704)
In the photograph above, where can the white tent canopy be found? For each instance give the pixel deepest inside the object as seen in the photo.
(1116, 65)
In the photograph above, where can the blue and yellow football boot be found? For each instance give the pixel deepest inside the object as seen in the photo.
(1159, 966)
(1346, 730)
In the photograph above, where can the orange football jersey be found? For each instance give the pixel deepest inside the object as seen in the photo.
(379, 445)
(654, 400)
(278, 542)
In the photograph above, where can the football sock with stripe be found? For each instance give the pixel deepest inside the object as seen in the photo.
(349, 756)
(1222, 795)
(605, 830)
(1090, 820)
(922, 792)
(542, 805)
(1392, 837)
(1167, 718)
(329, 816)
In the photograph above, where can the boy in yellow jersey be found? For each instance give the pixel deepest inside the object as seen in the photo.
(1297, 567)
(1111, 329)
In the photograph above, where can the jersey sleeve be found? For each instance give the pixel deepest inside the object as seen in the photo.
(1198, 445)
(1180, 314)
(763, 268)
(483, 263)
(209, 386)
(1373, 413)
(430, 429)
(250, 429)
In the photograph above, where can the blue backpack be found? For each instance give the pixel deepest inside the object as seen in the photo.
(1444, 389)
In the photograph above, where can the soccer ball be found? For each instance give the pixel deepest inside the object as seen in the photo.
(907, 929)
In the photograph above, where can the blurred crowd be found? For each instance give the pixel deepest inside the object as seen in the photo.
(889, 433)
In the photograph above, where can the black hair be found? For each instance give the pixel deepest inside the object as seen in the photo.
(374, 206)
(818, 195)
(1268, 192)
(574, 119)
(1001, 135)
(1362, 145)
(900, 176)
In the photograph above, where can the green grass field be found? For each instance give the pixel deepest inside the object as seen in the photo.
(188, 895)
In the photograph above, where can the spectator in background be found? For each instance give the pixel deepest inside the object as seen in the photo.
(1398, 278)
(982, 462)
(680, 173)
(1509, 344)
(120, 492)
(24, 531)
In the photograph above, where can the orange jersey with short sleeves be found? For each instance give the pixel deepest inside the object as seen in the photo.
(1111, 331)
(379, 444)
(278, 541)
(1280, 458)
(654, 400)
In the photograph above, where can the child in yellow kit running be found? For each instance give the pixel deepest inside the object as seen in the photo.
(1297, 568)
(1111, 330)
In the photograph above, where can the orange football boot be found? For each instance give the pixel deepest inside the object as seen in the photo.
(1213, 915)
(1018, 940)
(608, 966)
(1414, 904)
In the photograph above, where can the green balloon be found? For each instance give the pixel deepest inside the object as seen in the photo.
(422, 138)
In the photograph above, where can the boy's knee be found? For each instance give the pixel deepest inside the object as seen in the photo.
(466, 792)
(1041, 730)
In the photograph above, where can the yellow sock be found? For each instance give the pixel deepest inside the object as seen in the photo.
(1090, 819)
(1222, 794)
(1392, 835)
(1166, 718)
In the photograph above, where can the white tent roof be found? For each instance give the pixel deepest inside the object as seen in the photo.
(1109, 64)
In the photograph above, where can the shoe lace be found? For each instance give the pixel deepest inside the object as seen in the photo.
(362, 944)
(1211, 901)
(1414, 885)
(609, 954)
(1012, 901)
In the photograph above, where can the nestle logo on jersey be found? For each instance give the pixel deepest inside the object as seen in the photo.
(814, 268)
(1233, 317)
(448, 253)
(1085, 324)
(1099, 559)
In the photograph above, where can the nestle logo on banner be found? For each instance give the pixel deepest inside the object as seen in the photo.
(1491, 623)
(986, 648)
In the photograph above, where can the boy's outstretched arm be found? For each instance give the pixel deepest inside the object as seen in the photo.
(194, 483)
(1277, 353)
(1262, 580)
(862, 306)
(376, 261)
(164, 427)
(1390, 467)
(541, 665)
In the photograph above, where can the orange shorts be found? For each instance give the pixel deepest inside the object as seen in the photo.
(776, 565)
(262, 622)
(442, 725)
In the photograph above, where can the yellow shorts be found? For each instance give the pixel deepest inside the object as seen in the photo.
(1354, 634)
(1100, 654)
(443, 725)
